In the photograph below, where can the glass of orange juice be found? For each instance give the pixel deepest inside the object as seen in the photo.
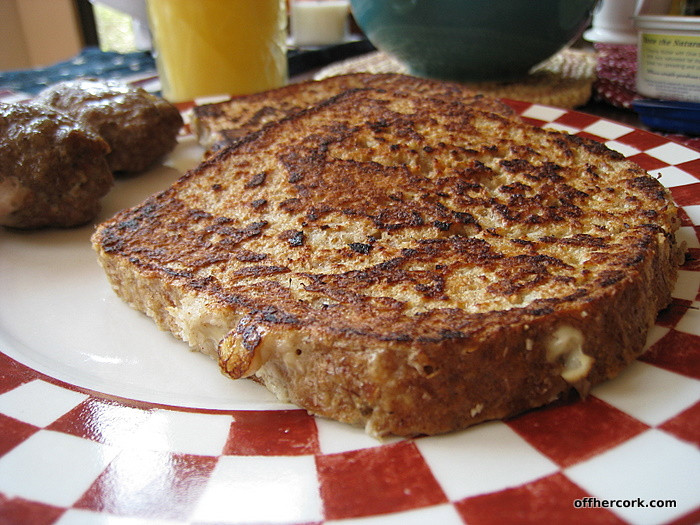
(218, 47)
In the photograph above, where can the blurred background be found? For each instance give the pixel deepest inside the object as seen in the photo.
(37, 33)
(47, 40)
(41, 32)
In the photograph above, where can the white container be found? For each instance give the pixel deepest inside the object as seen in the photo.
(669, 57)
(319, 22)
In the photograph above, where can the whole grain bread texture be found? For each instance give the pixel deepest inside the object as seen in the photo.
(408, 263)
(221, 124)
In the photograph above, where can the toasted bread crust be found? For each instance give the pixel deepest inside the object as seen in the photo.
(223, 123)
(412, 264)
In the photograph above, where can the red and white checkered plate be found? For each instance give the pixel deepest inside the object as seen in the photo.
(105, 419)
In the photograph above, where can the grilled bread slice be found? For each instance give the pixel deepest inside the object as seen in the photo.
(221, 124)
(411, 264)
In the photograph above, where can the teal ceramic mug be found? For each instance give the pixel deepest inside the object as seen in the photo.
(472, 40)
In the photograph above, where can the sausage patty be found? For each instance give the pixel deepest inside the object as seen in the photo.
(139, 127)
(53, 171)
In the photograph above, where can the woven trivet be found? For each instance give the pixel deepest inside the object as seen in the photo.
(565, 80)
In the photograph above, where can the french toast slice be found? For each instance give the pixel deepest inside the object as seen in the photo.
(220, 124)
(412, 264)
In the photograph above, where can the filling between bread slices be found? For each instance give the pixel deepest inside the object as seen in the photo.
(243, 350)
(565, 346)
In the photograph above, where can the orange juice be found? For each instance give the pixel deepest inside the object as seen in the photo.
(218, 47)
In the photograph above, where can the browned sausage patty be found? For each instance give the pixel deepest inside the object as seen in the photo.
(53, 171)
(139, 127)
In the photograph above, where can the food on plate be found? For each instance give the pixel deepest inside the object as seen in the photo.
(138, 126)
(53, 172)
(409, 263)
(220, 124)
